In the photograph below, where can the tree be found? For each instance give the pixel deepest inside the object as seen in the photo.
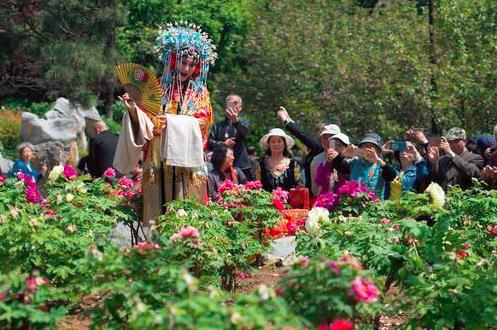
(58, 48)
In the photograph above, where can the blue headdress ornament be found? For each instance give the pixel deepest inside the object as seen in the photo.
(177, 41)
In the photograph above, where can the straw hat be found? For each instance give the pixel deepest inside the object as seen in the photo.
(277, 132)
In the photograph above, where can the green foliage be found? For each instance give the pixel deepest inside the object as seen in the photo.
(321, 290)
(28, 300)
(53, 236)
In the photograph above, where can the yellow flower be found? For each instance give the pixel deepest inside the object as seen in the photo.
(437, 194)
(56, 172)
(69, 197)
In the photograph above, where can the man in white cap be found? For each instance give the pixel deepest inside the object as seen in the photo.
(314, 145)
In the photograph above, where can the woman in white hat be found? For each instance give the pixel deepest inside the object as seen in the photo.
(278, 169)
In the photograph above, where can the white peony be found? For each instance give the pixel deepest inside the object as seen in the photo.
(437, 194)
(314, 218)
(69, 197)
(56, 172)
(181, 213)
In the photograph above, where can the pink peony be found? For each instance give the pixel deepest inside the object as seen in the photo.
(33, 195)
(385, 221)
(33, 282)
(492, 230)
(364, 291)
(281, 194)
(69, 172)
(110, 173)
(328, 201)
(462, 254)
(2, 179)
(144, 247)
(341, 324)
(124, 181)
(334, 267)
(356, 189)
(225, 186)
(189, 231)
(304, 261)
(49, 212)
(253, 185)
(26, 179)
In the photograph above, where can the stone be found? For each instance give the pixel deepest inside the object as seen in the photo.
(5, 165)
(54, 153)
(37, 130)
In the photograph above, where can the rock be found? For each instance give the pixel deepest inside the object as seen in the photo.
(54, 153)
(5, 165)
(36, 130)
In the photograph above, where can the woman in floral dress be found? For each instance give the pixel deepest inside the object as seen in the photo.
(278, 168)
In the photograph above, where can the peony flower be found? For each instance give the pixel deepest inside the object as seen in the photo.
(144, 247)
(385, 221)
(278, 204)
(462, 254)
(69, 197)
(71, 228)
(33, 282)
(437, 194)
(364, 291)
(492, 230)
(33, 196)
(253, 185)
(312, 226)
(341, 324)
(2, 179)
(281, 194)
(304, 261)
(356, 189)
(328, 201)
(321, 214)
(350, 261)
(225, 186)
(26, 179)
(189, 231)
(110, 173)
(69, 172)
(55, 173)
(126, 182)
(334, 267)
(181, 213)
(49, 212)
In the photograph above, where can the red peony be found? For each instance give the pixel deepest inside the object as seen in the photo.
(364, 291)
(33, 196)
(462, 254)
(2, 179)
(144, 247)
(341, 324)
(69, 172)
(225, 186)
(126, 182)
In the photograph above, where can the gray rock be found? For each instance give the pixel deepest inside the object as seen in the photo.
(36, 130)
(54, 153)
(5, 165)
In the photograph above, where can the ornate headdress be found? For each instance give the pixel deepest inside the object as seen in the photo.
(182, 40)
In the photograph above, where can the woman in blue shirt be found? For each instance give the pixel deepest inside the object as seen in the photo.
(412, 173)
(24, 164)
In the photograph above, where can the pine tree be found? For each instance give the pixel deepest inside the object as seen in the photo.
(54, 48)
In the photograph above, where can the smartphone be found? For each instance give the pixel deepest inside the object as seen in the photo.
(361, 153)
(331, 143)
(398, 146)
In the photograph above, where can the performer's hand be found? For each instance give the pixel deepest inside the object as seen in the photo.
(128, 102)
(283, 115)
(162, 120)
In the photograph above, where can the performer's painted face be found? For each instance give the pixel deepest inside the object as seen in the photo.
(187, 67)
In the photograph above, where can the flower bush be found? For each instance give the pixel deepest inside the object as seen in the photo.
(323, 290)
(28, 300)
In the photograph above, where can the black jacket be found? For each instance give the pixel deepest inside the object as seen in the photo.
(223, 130)
(102, 151)
(311, 143)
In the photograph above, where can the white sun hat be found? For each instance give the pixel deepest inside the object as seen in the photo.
(277, 132)
(342, 137)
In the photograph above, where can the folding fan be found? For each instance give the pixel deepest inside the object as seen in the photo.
(141, 85)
